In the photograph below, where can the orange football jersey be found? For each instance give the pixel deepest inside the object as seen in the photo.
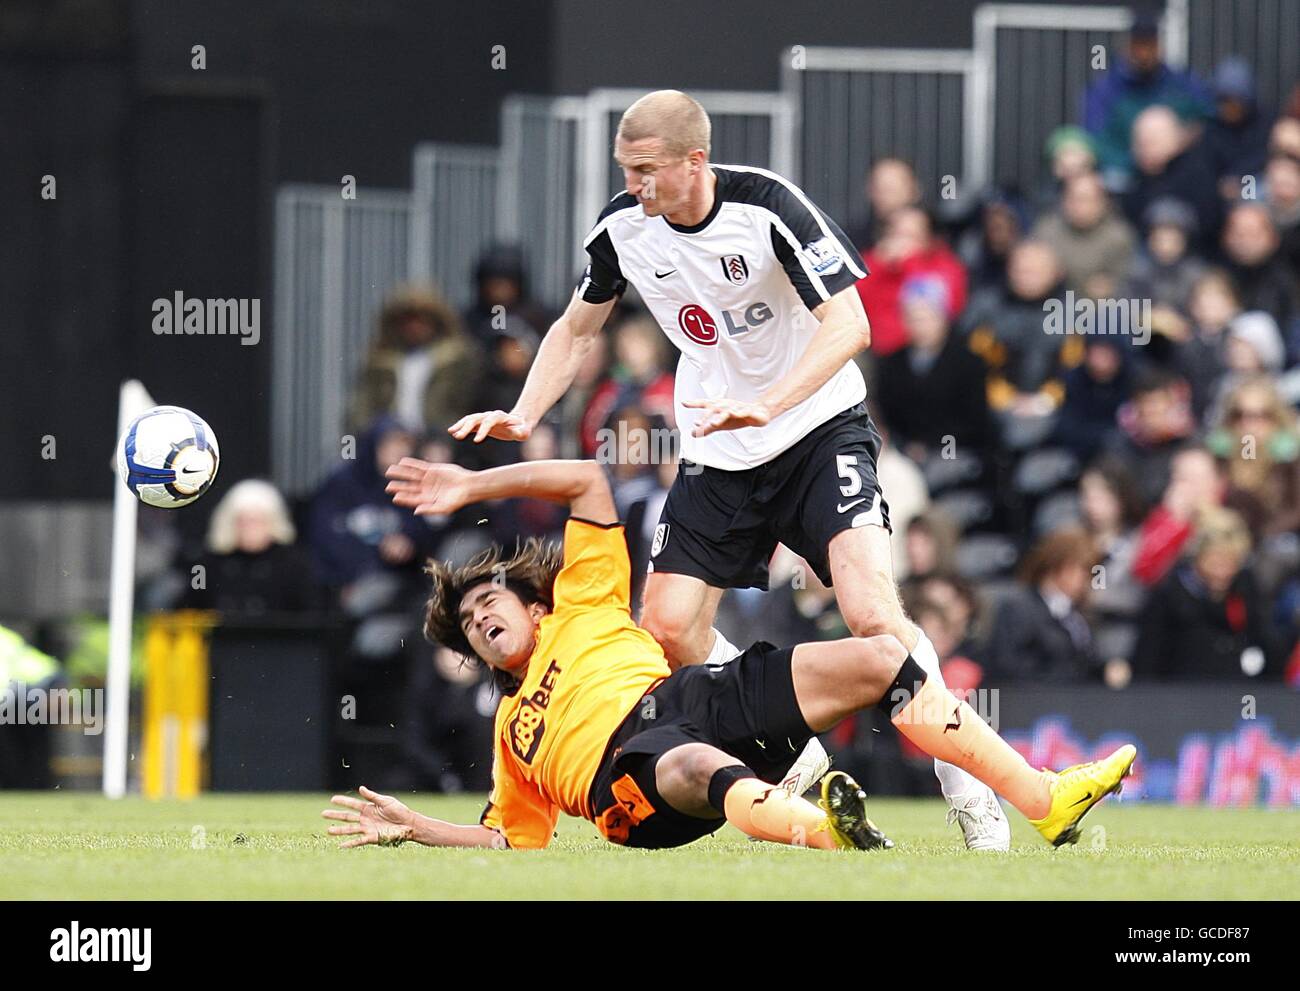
(592, 665)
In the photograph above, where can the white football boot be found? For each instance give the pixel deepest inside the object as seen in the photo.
(983, 823)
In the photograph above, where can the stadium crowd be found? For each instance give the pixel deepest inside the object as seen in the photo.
(1088, 392)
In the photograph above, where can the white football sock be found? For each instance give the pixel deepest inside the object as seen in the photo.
(809, 767)
(952, 779)
(723, 650)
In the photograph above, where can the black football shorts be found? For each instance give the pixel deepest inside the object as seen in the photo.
(723, 526)
(745, 707)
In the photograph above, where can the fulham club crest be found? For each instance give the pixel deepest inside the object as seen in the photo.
(735, 269)
(661, 538)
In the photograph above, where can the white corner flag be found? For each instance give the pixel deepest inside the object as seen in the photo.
(133, 399)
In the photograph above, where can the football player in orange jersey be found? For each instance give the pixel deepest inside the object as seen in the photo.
(593, 722)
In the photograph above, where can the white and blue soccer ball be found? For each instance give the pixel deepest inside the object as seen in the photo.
(168, 457)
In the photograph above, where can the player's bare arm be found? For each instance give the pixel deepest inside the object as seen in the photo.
(427, 488)
(843, 330)
(432, 489)
(561, 354)
(381, 820)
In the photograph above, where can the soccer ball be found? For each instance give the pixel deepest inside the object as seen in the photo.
(168, 457)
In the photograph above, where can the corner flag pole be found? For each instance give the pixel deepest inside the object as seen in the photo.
(133, 399)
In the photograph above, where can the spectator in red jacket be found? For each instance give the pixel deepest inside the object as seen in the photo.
(909, 249)
(1196, 483)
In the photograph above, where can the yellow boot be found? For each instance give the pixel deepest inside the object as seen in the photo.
(845, 804)
(1077, 789)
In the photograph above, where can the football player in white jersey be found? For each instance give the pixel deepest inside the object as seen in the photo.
(756, 288)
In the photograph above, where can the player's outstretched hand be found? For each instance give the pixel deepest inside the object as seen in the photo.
(380, 820)
(727, 414)
(494, 423)
(429, 489)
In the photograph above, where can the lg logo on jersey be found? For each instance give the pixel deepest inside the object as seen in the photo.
(696, 323)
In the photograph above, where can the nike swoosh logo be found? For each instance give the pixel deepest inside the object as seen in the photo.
(664, 275)
(1082, 800)
(190, 471)
(845, 507)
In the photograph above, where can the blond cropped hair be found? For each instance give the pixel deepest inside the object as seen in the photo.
(670, 115)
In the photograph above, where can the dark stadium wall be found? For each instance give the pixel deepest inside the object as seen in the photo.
(716, 44)
(355, 84)
(62, 294)
(166, 175)
(198, 226)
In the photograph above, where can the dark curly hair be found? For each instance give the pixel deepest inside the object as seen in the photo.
(529, 573)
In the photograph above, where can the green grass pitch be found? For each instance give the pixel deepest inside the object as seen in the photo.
(77, 846)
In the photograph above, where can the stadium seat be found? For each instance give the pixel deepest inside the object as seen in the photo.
(986, 555)
(1057, 510)
(1045, 470)
(1020, 433)
(943, 474)
(965, 507)
(993, 592)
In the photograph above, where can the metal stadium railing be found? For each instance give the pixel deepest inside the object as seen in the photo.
(453, 214)
(1264, 32)
(335, 262)
(857, 105)
(1032, 66)
(537, 202)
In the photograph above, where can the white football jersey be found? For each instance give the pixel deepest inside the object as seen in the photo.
(733, 293)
